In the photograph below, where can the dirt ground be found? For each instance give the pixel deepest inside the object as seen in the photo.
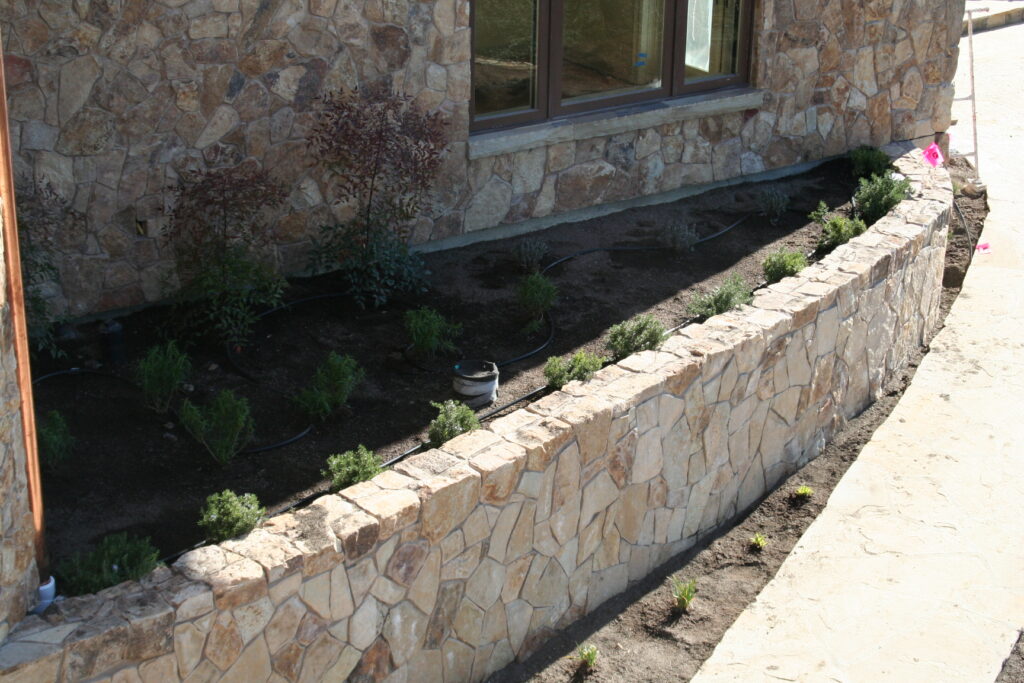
(640, 635)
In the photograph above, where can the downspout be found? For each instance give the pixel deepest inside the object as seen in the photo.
(16, 302)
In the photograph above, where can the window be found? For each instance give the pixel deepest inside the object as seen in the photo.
(538, 59)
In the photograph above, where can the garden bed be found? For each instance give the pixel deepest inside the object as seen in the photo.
(133, 470)
(639, 634)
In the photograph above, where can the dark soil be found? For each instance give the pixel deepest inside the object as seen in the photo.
(639, 634)
(1013, 667)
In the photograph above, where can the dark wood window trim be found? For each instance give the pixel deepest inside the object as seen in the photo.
(550, 50)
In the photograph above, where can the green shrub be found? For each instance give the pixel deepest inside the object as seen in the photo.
(758, 542)
(679, 236)
(581, 366)
(453, 418)
(529, 253)
(430, 332)
(820, 215)
(587, 654)
(839, 230)
(877, 195)
(227, 515)
(803, 493)
(160, 373)
(117, 558)
(868, 161)
(773, 204)
(639, 333)
(333, 383)
(375, 265)
(223, 427)
(536, 295)
(783, 264)
(55, 439)
(732, 293)
(352, 467)
(684, 592)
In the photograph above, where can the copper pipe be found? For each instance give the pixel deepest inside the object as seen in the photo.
(16, 303)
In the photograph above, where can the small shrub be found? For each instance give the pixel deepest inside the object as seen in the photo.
(587, 654)
(868, 161)
(352, 467)
(117, 558)
(55, 440)
(160, 373)
(582, 366)
(639, 333)
(877, 195)
(820, 214)
(529, 254)
(758, 542)
(536, 295)
(732, 293)
(773, 204)
(430, 332)
(801, 495)
(333, 383)
(227, 515)
(683, 592)
(679, 236)
(375, 266)
(223, 427)
(783, 264)
(453, 418)
(839, 230)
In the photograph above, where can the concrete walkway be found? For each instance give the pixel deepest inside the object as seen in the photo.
(994, 13)
(915, 569)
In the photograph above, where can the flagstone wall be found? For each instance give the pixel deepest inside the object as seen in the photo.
(461, 559)
(112, 100)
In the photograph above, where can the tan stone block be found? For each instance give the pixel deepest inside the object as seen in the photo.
(283, 625)
(447, 500)
(393, 509)
(224, 644)
(238, 583)
(589, 416)
(319, 657)
(273, 552)
(499, 466)
(404, 630)
(252, 665)
(542, 437)
(423, 591)
(357, 531)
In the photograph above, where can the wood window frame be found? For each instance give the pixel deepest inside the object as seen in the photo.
(550, 50)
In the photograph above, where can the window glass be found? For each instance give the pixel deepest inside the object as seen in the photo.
(504, 56)
(612, 47)
(712, 38)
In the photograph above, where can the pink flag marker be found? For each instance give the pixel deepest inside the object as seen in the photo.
(984, 248)
(933, 155)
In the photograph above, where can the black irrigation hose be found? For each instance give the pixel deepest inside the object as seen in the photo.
(530, 354)
(83, 371)
(967, 231)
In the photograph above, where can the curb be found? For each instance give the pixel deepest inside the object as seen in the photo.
(991, 21)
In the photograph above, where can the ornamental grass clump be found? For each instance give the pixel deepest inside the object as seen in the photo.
(868, 161)
(683, 592)
(581, 366)
(839, 230)
(223, 427)
(430, 332)
(536, 295)
(352, 467)
(773, 204)
(333, 383)
(453, 418)
(115, 559)
(639, 333)
(161, 373)
(878, 195)
(586, 655)
(758, 542)
(55, 439)
(530, 253)
(227, 515)
(732, 293)
(783, 264)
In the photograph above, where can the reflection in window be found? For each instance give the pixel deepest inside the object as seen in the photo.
(712, 38)
(504, 56)
(612, 47)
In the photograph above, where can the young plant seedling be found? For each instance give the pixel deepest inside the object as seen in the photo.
(758, 542)
(683, 592)
(802, 494)
(586, 655)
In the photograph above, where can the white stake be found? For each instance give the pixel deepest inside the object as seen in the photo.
(974, 105)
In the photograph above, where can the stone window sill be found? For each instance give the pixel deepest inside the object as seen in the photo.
(613, 122)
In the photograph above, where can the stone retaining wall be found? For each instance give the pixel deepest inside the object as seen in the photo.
(113, 101)
(463, 558)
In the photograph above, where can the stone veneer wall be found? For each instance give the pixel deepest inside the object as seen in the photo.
(18, 577)
(111, 100)
(461, 559)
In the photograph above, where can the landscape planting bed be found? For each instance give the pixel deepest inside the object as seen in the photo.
(134, 470)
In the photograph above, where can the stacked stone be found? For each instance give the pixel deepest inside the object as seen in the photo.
(113, 102)
(462, 559)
